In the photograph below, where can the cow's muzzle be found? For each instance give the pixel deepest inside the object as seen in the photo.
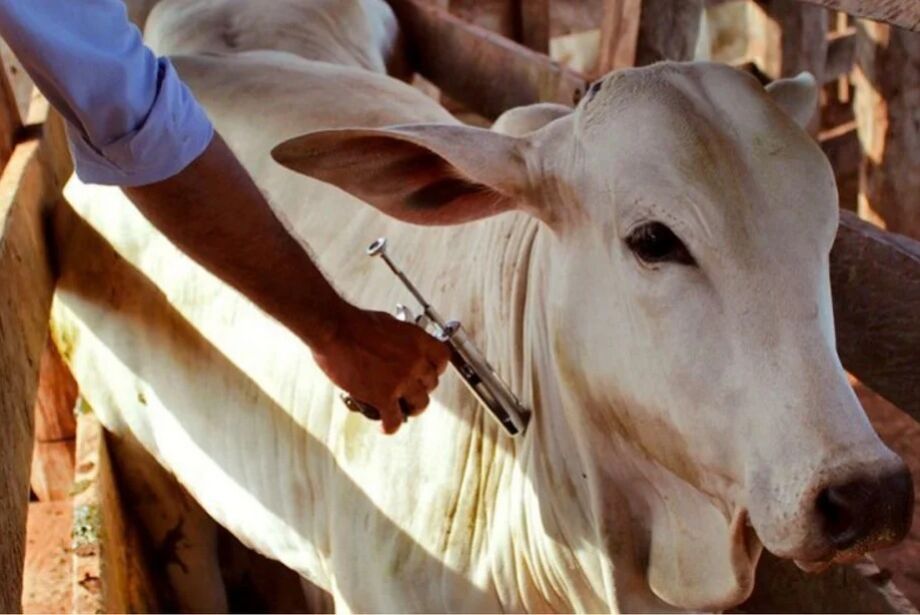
(866, 513)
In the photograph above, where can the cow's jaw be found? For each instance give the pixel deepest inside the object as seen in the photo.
(633, 534)
(644, 538)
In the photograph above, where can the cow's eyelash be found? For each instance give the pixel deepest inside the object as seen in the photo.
(654, 242)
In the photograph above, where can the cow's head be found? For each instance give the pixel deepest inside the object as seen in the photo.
(688, 306)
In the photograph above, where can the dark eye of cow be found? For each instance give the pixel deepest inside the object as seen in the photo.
(653, 242)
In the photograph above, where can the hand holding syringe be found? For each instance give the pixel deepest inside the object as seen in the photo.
(471, 365)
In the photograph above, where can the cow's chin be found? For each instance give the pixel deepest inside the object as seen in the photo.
(698, 558)
(837, 557)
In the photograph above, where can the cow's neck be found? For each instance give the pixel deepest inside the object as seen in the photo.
(544, 529)
(553, 535)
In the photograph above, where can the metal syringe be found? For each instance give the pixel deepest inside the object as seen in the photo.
(475, 371)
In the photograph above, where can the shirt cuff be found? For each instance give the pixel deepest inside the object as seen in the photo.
(175, 132)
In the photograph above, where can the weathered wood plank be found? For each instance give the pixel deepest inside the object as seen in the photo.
(887, 93)
(619, 35)
(796, 42)
(57, 395)
(467, 62)
(55, 428)
(52, 470)
(668, 30)
(25, 298)
(533, 17)
(799, 42)
(46, 587)
(47, 579)
(902, 13)
(841, 146)
(497, 16)
(841, 54)
(109, 574)
(28, 187)
(10, 120)
(875, 278)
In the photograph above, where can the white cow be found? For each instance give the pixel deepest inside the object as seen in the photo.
(650, 274)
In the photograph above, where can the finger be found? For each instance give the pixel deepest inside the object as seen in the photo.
(428, 379)
(405, 408)
(392, 418)
(438, 354)
(416, 400)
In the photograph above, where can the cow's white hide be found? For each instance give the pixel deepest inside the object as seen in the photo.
(671, 404)
(359, 33)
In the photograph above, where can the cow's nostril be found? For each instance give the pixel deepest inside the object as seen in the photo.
(842, 512)
(867, 512)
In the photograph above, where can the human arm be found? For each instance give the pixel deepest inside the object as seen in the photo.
(215, 213)
(133, 123)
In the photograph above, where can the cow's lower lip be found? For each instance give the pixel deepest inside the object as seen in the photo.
(813, 566)
(749, 538)
(822, 564)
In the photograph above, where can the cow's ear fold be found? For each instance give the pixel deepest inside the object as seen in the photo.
(430, 174)
(797, 96)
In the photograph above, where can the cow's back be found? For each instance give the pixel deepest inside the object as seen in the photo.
(357, 33)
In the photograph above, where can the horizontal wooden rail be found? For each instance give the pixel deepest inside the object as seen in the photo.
(902, 13)
(841, 55)
(480, 69)
(109, 571)
(875, 277)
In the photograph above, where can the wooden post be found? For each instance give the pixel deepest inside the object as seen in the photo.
(25, 299)
(109, 572)
(55, 429)
(841, 56)
(875, 278)
(29, 186)
(619, 35)
(468, 62)
(10, 119)
(799, 42)
(902, 13)
(640, 32)
(533, 24)
(887, 83)
(524, 21)
(668, 30)
(499, 16)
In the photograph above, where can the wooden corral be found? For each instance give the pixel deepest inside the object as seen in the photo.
(36, 164)
(487, 56)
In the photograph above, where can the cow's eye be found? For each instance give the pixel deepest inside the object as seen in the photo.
(653, 242)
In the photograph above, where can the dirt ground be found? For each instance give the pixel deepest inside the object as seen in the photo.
(902, 434)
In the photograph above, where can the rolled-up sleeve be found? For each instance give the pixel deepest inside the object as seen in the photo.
(131, 120)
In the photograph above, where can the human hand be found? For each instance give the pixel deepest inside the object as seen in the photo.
(382, 362)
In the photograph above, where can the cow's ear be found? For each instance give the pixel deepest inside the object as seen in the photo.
(797, 96)
(430, 174)
(520, 121)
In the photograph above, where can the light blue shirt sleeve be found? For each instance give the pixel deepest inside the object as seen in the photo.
(131, 120)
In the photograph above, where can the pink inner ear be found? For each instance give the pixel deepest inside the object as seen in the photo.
(400, 178)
